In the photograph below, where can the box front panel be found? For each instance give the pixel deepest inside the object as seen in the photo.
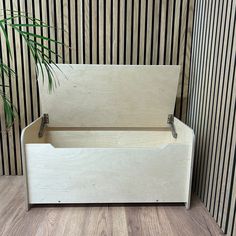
(108, 175)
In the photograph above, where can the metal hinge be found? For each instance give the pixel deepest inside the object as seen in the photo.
(45, 121)
(170, 121)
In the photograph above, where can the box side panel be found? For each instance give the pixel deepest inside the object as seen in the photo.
(108, 175)
(29, 135)
(186, 135)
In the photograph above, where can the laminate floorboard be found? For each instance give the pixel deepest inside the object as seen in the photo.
(98, 220)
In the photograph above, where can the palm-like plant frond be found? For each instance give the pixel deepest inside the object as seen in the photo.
(40, 53)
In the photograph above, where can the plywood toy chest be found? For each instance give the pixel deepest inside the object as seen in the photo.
(107, 134)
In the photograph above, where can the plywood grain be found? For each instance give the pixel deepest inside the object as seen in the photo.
(111, 96)
(107, 138)
(95, 171)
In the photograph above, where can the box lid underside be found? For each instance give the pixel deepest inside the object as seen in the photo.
(110, 95)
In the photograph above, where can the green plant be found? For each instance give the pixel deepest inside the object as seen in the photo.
(36, 46)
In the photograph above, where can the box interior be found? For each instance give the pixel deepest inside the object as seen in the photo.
(107, 138)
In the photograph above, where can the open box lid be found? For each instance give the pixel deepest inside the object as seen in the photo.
(111, 95)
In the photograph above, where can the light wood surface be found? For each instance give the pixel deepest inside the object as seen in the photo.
(107, 138)
(29, 135)
(107, 175)
(144, 166)
(111, 96)
(100, 220)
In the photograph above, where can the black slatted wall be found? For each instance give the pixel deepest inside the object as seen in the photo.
(211, 108)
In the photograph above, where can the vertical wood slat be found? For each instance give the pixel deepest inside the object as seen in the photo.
(100, 22)
(135, 32)
(67, 31)
(211, 108)
(128, 33)
(59, 30)
(25, 67)
(141, 36)
(114, 40)
(10, 89)
(4, 137)
(29, 7)
(155, 29)
(181, 54)
(148, 32)
(80, 33)
(121, 25)
(187, 59)
(169, 21)
(16, 161)
(94, 31)
(107, 31)
(176, 31)
(162, 29)
(73, 28)
(87, 35)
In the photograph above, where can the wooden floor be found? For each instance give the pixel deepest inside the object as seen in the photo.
(98, 220)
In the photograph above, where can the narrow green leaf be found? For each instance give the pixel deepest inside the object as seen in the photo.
(30, 25)
(36, 36)
(44, 47)
(9, 110)
(35, 20)
(6, 38)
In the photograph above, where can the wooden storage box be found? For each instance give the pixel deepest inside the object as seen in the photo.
(107, 135)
